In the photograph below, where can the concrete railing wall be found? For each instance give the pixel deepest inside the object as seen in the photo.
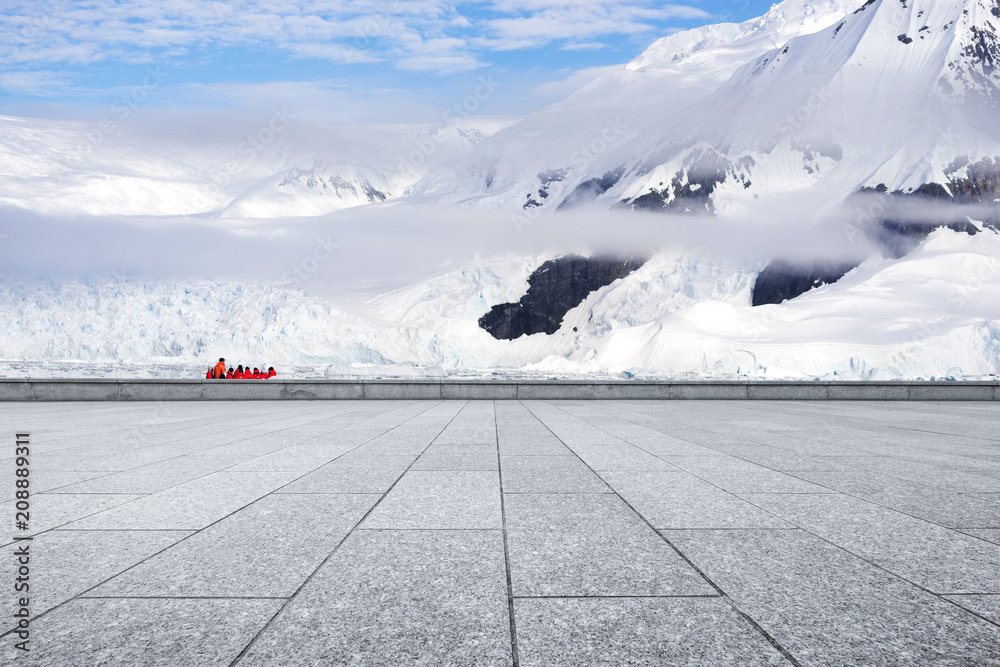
(235, 390)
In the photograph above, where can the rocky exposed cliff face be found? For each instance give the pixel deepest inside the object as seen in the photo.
(782, 281)
(973, 190)
(554, 288)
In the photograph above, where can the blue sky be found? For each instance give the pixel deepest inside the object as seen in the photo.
(339, 61)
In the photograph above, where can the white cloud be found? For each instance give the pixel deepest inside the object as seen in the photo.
(583, 46)
(554, 90)
(38, 83)
(327, 101)
(541, 21)
(415, 35)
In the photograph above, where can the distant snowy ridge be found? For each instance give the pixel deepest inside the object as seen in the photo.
(63, 167)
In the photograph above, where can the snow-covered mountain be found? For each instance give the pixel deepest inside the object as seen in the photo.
(274, 169)
(591, 134)
(897, 95)
(827, 97)
(802, 117)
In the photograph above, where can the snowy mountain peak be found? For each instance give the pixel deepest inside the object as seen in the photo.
(793, 18)
(681, 45)
(889, 95)
(782, 22)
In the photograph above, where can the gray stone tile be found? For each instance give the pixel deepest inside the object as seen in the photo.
(937, 558)
(77, 462)
(266, 549)
(549, 474)
(941, 506)
(127, 459)
(990, 535)
(619, 457)
(741, 477)
(189, 506)
(65, 563)
(151, 633)
(474, 425)
(521, 434)
(458, 457)
(295, 458)
(658, 443)
(931, 474)
(43, 480)
(428, 499)
(680, 500)
(987, 606)
(644, 632)
(413, 437)
(353, 474)
(827, 607)
(569, 429)
(783, 460)
(590, 544)
(51, 510)
(155, 476)
(527, 443)
(398, 598)
(249, 448)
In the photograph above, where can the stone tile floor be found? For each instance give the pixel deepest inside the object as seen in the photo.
(474, 533)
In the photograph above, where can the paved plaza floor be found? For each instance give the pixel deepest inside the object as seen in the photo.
(532, 533)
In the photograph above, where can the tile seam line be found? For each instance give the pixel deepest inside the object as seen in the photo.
(288, 601)
(196, 531)
(723, 595)
(145, 495)
(515, 654)
(795, 474)
(864, 500)
(684, 472)
(183, 597)
(87, 516)
(618, 597)
(682, 423)
(885, 569)
(115, 472)
(810, 532)
(805, 530)
(182, 438)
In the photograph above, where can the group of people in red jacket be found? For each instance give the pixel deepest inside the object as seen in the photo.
(219, 372)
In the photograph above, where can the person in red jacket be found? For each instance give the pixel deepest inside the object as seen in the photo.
(238, 375)
(270, 372)
(208, 375)
(256, 374)
(229, 373)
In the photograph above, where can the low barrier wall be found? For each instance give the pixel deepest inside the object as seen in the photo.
(275, 389)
